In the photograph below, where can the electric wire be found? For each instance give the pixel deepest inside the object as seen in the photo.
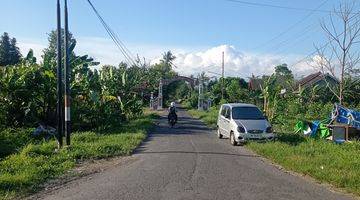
(120, 45)
(291, 27)
(327, 43)
(300, 37)
(281, 7)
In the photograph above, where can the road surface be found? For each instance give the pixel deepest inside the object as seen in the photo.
(189, 162)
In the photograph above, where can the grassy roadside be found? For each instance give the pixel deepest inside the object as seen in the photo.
(22, 173)
(208, 117)
(325, 161)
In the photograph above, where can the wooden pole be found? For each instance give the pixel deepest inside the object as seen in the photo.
(59, 80)
(67, 80)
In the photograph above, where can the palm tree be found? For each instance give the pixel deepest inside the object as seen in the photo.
(167, 59)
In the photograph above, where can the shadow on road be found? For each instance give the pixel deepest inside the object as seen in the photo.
(140, 151)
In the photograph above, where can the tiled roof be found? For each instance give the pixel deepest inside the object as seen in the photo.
(310, 79)
(313, 78)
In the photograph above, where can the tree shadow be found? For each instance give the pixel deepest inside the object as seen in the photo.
(290, 138)
(142, 150)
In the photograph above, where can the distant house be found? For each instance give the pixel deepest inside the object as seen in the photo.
(318, 78)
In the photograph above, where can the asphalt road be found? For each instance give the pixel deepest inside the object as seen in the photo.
(189, 162)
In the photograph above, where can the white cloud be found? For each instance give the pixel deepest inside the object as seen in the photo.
(37, 46)
(189, 60)
(237, 63)
(105, 51)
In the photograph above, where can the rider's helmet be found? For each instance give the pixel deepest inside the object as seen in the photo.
(172, 104)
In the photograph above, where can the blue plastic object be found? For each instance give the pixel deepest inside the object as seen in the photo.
(346, 116)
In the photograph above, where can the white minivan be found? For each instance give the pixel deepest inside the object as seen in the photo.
(242, 122)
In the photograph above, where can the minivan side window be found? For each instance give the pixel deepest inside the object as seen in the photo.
(223, 110)
(227, 113)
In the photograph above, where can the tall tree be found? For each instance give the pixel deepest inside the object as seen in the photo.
(284, 76)
(283, 70)
(49, 56)
(15, 54)
(167, 61)
(168, 57)
(5, 49)
(9, 52)
(340, 56)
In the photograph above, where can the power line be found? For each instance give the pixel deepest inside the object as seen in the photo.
(327, 43)
(123, 49)
(290, 27)
(112, 35)
(281, 7)
(302, 36)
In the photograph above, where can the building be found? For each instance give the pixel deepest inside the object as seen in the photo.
(318, 78)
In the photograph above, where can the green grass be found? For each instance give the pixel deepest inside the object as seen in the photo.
(12, 140)
(23, 172)
(323, 160)
(208, 117)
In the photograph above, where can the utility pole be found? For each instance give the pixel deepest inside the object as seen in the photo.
(67, 80)
(200, 98)
(59, 80)
(222, 76)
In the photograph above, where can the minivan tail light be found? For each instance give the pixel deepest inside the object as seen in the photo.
(269, 129)
(241, 129)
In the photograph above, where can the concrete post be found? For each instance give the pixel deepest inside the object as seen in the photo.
(160, 96)
(152, 101)
(201, 95)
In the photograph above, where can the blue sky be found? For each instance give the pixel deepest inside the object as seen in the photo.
(193, 29)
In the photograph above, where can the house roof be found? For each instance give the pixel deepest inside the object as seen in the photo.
(314, 78)
(310, 79)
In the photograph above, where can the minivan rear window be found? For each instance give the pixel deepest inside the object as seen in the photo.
(250, 113)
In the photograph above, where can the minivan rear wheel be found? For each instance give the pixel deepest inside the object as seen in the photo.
(232, 139)
(219, 133)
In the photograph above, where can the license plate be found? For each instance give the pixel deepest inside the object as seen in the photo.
(253, 136)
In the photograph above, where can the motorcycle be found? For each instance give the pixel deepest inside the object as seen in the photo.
(172, 120)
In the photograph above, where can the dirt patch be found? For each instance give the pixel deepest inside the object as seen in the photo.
(82, 170)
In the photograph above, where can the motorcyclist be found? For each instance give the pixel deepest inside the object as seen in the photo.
(172, 111)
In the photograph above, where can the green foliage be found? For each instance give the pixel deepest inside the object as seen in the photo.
(283, 71)
(192, 100)
(235, 92)
(279, 99)
(9, 52)
(12, 140)
(352, 91)
(178, 90)
(100, 98)
(27, 95)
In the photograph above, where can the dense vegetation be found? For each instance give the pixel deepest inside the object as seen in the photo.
(107, 112)
(283, 109)
(100, 96)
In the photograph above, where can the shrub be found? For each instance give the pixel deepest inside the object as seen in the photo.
(12, 140)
